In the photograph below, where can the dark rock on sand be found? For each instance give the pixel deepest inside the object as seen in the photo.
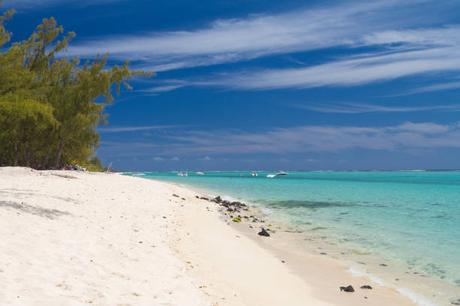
(455, 302)
(175, 195)
(348, 288)
(217, 199)
(238, 204)
(263, 232)
(366, 287)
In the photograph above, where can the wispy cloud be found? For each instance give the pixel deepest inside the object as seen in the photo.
(436, 87)
(164, 86)
(231, 40)
(327, 138)
(379, 41)
(127, 129)
(441, 36)
(355, 108)
(349, 72)
(303, 139)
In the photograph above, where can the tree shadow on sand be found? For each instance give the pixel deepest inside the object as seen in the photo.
(34, 210)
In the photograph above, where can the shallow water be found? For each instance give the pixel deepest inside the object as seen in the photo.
(407, 216)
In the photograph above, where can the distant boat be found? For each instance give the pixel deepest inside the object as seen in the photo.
(273, 175)
(199, 173)
(182, 173)
(254, 173)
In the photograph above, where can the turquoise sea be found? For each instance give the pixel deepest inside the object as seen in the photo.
(409, 216)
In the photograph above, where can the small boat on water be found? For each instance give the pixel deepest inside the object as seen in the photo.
(182, 173)
(254, 173)
(273, 175)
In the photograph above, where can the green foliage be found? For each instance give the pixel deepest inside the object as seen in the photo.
(48, 104)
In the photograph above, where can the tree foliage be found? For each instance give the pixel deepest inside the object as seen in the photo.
(50, 105)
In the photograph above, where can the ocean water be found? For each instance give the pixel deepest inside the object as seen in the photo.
(409, 216)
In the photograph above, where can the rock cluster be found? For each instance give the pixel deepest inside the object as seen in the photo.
(230, 206)
(237, 212)
(348, 288)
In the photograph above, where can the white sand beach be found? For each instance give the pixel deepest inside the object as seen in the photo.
(73, 238)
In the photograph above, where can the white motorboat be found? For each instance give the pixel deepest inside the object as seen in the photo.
(273, 175)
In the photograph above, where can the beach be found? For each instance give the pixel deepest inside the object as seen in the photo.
(75, 238)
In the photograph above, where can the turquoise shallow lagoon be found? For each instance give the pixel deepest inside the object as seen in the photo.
(409, 216)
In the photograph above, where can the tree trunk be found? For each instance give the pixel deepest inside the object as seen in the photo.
(59, 154)
(16, 154)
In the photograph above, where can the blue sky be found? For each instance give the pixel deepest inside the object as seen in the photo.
(293, 85)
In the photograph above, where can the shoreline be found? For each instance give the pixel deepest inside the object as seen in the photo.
(300, 261)
(290, 242)
(106, 239)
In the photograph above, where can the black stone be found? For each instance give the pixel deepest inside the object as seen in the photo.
(455, 302)
(348, 288)
(263, 232)
(366, 287)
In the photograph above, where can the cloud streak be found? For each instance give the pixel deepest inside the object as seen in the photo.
(350, 72)
(233, 40)
(128, 129)
(436, 87)
(355, 108)
(303, 139)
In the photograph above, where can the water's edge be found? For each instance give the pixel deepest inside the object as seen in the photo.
(415, 284)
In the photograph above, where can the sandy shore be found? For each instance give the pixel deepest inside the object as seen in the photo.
(70, 238)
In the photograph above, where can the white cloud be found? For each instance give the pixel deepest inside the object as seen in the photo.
(231, 40)
(444, 36)
(324, 138)
(356, 108)
(163, 88)
(408, 136)
(349, 72)
(405, 45)
(123, 129)
(436, 87)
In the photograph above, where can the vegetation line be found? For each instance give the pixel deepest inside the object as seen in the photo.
(50, 105)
